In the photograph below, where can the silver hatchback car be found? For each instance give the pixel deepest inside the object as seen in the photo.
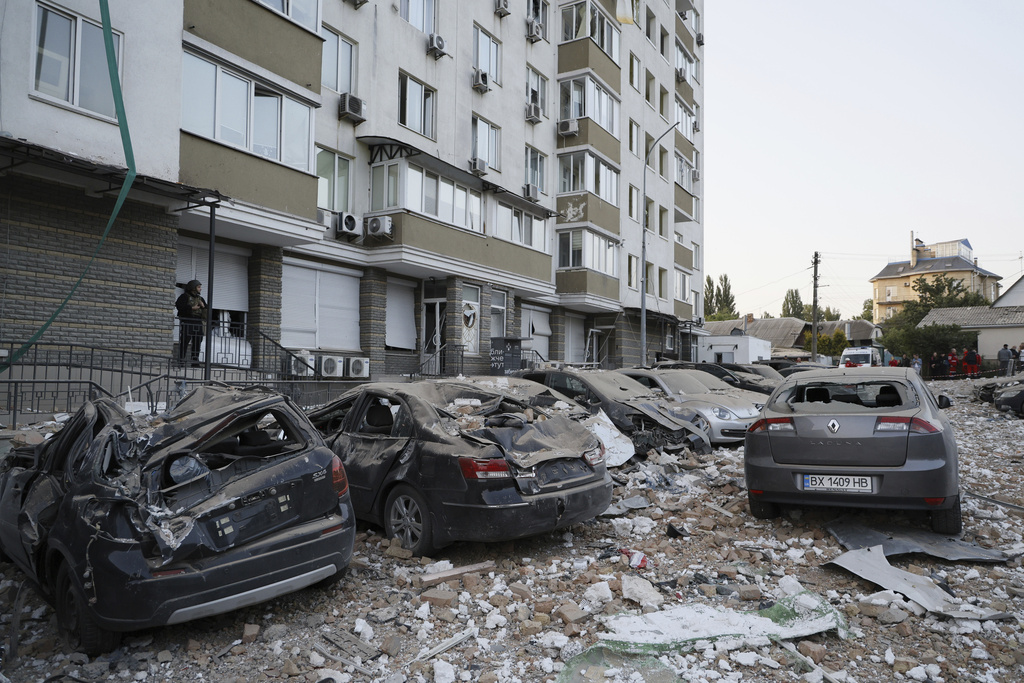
(855, 437)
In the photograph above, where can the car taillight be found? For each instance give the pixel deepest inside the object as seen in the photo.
(338, 477)
(489, 468)
(595, 456)
(913, 425)
(773, 424)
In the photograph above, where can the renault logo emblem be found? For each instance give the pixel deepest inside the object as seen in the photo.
(833, 425)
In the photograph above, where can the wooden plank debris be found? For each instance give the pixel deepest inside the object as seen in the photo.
(428, 580)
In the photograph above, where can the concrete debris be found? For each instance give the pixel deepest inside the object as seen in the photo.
(624, 598)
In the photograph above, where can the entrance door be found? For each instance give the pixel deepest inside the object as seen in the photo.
(434, 315)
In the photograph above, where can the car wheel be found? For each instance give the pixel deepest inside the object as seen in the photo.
(948, 522)
(76, 623)
(762, 509)
(406, 518)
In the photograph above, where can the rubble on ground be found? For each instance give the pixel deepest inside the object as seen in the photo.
(677, 554)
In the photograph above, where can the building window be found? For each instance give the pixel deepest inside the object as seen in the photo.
(663, 45)
(649, 278)
(581, 97)
(633, 271)
(223, 106)
(586, 249)
(521, 227)
(384, 187)
(537, 89)
(649, 86)
(302, 12)
(486, 142)
(71, 61)
(485, 54)
(684, 120)
(663, 100)
(635, 72)
(332, 188)
(535, 168)
(684, 173)
(683, 62)
(662, 162)
(415, 105)
(582, 171)
(336, 71)
(498, 313)
(634, 202)
(662, 283)
(581, 21)
(696, 255)
(428, 193)
(419, 13)
(471, 319)
(537, 10)
(651, 26)
(634, 138)
(663, 221)
(682, 286)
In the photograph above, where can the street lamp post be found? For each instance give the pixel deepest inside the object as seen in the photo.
(643, 250)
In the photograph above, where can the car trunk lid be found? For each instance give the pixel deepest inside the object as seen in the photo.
(847, 440)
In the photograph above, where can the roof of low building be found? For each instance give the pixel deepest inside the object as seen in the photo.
(975, 316)
(781, 332)
(859, 329)
(925, 266)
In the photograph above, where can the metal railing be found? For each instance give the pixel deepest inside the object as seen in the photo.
(447, 361)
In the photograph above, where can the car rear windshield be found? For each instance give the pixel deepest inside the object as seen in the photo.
(859, 358)
(863, 396)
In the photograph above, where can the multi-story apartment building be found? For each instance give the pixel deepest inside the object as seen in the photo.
(893, 286)
(405, 181)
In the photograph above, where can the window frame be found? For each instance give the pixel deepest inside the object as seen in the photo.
(337, 203)
(425, 19)
(493, 67)
(328, 34)
(633, 271)
(542, 91)
(289, 13)
(534, 163)
(499, 311)
(480, 126)
(595, 176)
(415, 198)
(427, 109)
(522, 227)
(584, 248)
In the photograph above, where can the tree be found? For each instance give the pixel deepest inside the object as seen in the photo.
(710, 302)
(726, 302)
(901, 335)
(867, 311)
(793, 305)
(823, 313)
(904, 341)
(829, 345)
(766, 315)
(940, 292)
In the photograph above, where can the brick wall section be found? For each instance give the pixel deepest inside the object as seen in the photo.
(556, 345)
(265, 273)
(49, 232)
(373, 294)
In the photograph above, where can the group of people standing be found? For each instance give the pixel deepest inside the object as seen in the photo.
(966, 363)
(1009, 359)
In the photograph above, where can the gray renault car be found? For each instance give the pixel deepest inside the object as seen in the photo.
(871, 437)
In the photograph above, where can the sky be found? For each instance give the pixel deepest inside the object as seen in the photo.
(842, 128)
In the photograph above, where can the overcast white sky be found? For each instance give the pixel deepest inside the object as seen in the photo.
(840, 127)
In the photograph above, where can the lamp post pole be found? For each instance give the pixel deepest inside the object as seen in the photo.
(643, 250)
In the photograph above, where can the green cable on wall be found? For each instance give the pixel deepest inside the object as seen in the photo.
(129, 179)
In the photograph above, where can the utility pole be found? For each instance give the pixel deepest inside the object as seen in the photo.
(814, 310)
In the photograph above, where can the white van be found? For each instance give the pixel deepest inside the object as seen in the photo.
(860, 356)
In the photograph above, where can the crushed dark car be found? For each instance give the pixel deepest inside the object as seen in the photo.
(866, 437)
(1010, 398)
(648, 420)
(125, 523)
(435, 462)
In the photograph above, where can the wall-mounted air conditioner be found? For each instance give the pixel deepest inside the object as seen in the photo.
(696, 126)
(303, 365)
(358, 3)
(481, 80)
(531, 192)
(680, 74)
(477, 166)
(501, 8)
(534, 30)
(696, 175)
(435, 46)
(357, 367)
(349, 225)
(700, 39)
(332, 366)
(328, 219)
(352, 108)
(533, 112)
(569, 127)
(380, 226)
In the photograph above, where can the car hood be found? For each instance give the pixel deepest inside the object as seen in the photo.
(740, 406)
(529, 443)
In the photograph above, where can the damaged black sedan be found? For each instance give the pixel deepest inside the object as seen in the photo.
(437, 462)
(125, 523)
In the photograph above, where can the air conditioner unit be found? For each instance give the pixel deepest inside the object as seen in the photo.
(501, 8)
(680, 74)
(696, 126)
(477, 166)
(352, 108)
(481, 80)
(435, 46)
(531, 192)
(696, 175)
(534, 30)
(533, 112)
(349, 225)
(569, 127)
(380, 226)
(326, 218)
(357, 367)
(700, 39)
(302, 365)
(358, 3)
(332, 366)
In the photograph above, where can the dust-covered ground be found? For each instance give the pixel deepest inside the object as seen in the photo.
(683, 546)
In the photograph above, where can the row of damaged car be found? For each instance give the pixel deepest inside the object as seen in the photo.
(1006, 393)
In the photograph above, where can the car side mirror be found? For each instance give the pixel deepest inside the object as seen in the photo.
(944, 401)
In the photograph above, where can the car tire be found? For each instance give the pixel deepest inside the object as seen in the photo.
(762, 509)
(948, 522)
(407, 518)
(75, 621)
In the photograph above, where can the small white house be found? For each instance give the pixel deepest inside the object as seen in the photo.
(732, 349)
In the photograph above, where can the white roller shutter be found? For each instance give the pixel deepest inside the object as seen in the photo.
(230, 277)
(298, 307)
(319, 309)
(537, 326)
(401, 315)
(575, 340)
